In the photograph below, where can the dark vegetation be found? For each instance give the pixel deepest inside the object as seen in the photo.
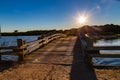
(68, 32)
(108, 29)
(71, 32)
(30, 33)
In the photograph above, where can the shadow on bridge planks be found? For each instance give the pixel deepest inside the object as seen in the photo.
(80, 70)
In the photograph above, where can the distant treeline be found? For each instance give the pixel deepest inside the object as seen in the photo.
(108, 29)
(30, 33)
(68, 32)
(71, 32)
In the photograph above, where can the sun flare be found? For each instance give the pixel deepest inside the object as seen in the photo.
(82, 19)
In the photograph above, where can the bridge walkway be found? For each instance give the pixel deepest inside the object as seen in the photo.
(62, 59)
(56, 52)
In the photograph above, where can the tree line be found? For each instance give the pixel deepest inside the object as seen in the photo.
(30, 33)
(108, 29)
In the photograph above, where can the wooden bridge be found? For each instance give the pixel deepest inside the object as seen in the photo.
(65, 45)
(57, 49)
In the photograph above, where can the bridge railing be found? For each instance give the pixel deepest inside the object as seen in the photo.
(23, 48)
(94, 51)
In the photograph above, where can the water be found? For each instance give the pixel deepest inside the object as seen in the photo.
(103, 42)
(12, 40)
(107, 61)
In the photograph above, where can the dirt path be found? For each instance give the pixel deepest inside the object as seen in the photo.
(37, 72)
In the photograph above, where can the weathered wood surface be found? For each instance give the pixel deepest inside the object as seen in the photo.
(56, 52)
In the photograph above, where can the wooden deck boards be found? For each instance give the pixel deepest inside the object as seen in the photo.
(58, 52)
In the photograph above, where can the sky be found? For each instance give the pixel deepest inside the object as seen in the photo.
(24, 15)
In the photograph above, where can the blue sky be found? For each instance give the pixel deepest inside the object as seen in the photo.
(26, 15)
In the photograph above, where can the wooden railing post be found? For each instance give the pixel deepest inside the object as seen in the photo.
(46, 40)
(88, 59)
(21, 42)
(0, 54)
(89, 42)
(41, 38)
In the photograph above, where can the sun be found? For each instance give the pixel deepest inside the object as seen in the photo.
(82, 19)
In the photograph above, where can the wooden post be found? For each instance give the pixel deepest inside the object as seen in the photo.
(88, 59)
(45, 40)
(40, 38)
(20, 43)
(0, 54)
(89, 42)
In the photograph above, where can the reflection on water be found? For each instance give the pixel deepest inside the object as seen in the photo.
(12, 40)
(107, 61)
(103, 42)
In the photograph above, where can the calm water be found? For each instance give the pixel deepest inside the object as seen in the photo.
(108, 61)
(102, 42)
(12, 40)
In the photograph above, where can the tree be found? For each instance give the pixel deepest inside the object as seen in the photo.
(15, 31)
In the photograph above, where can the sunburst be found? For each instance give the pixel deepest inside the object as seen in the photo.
(82, 19)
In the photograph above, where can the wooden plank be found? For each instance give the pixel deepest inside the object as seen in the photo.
(33, 48)
(40, 41)
(96, 53)
(104, 48)
(33, 42)
(8, 53)
(105, 55)
(9, 47)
